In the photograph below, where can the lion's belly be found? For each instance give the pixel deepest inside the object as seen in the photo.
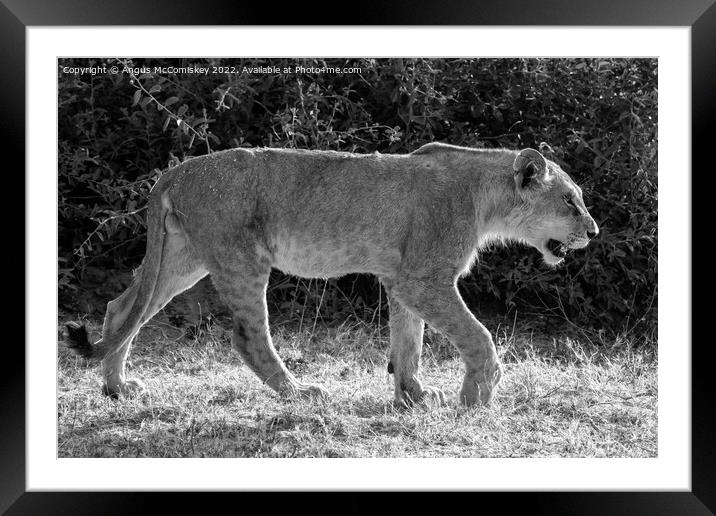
(328, 259)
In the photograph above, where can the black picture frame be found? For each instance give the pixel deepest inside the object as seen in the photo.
(700, 15)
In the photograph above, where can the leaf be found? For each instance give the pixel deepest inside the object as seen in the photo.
(136, 97)
(155, 88)
(170, 101)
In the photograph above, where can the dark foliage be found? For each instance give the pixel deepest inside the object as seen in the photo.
(596, 117)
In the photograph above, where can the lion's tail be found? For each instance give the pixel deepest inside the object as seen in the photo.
(77, 339)
(145, 279)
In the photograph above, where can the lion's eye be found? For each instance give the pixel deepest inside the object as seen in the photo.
(570, 202)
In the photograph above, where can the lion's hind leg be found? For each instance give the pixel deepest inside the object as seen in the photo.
(178, 271)
(117, 334)
(241, 283)
(117, 343)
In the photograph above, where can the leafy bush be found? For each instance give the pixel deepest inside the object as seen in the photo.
(596, 117)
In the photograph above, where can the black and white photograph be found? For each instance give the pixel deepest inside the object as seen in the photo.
(423, 249)
(404, 257)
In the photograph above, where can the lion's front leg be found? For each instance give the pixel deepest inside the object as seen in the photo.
(406, 341)
(445, 310)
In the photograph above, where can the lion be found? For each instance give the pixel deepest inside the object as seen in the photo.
(416, 221)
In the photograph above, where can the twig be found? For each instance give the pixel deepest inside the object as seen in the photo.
(102, 223)
(318, 310)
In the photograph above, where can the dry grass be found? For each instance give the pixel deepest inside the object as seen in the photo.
(559, 398)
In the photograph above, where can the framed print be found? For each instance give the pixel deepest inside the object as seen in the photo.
(275, 159)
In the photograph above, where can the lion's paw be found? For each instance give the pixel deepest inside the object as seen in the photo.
(427, 396)
(132, 388)
(480, 391)
(313, 392)
(306, 391)
(432, 395)
(476, 394)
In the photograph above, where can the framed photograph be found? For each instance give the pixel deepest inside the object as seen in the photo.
(395, 257)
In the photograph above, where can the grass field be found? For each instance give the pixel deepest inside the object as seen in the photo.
(560, 397)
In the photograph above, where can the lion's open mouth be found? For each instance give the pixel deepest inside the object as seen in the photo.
(557, 248)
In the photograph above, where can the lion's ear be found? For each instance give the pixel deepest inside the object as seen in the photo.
(530, 168)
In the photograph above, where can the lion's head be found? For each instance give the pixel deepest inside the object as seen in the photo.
(550, 214)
